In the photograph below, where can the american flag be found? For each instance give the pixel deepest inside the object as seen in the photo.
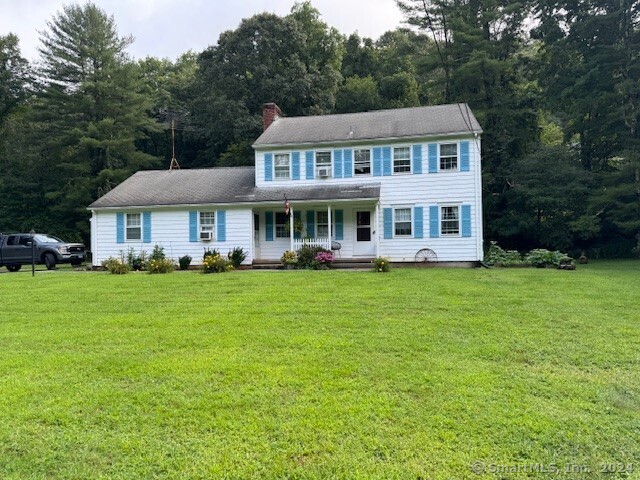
(287, 207)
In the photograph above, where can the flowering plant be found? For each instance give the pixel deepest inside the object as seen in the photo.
(381, 264)
(215, 264)
(289, 258)
(323, 260)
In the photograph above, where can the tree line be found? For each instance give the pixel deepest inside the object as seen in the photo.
(554, 84)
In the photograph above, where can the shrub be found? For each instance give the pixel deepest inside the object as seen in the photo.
(289, 258)
(158, 253)
(210, 253)
(323, 260)
(184, 262)
(116, 266)
(215, 264)
(503, 258)
(135, 262)
(237, 256)
(381, 264)
(307, 256)
(540, 258)
(163, 265)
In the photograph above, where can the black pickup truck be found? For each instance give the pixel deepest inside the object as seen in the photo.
(15, 251)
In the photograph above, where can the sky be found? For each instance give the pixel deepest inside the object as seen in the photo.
(169, 28)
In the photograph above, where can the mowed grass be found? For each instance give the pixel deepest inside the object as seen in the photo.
(338, 374)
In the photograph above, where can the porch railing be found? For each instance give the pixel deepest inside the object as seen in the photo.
(311, 242)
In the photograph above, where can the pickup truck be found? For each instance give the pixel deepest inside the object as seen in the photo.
(15, 251)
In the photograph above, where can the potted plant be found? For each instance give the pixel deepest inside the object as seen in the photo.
(297, 226)
(289, 259)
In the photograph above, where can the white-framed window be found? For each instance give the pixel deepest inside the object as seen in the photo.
(207, 225)
(402, 221)
(323, 163)
(322, 224)
(362, 161)
(401, 160)
(450, 220)
(448, 156)
(133, 230)
(281, 225)
(282, 166)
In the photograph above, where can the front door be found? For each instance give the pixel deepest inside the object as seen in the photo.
(364, 246)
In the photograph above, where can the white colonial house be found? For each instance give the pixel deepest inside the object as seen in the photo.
(383, 183)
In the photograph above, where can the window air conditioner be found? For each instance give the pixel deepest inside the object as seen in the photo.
(324, 172)
(206, 236)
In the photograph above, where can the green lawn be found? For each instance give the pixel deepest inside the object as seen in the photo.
(304, 374)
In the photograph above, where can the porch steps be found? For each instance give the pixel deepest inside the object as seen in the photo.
(339, 263)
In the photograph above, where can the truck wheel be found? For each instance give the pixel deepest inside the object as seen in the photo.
(49, 261)
(14, 268)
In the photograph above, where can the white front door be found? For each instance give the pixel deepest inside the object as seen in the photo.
(364, 245)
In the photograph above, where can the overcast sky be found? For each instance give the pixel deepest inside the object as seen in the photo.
(168, 28)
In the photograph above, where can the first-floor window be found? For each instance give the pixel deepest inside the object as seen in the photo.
(207, 222)
(134, 226)
(362, 162)
(449, 220)
(281, 225)
(402, 221)
(281, 165)
(401, 160)
(322, 224)
(448, 156)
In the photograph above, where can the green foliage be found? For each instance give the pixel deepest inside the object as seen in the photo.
(540, 258)
(14, 74)
(161, 265)
(323, 260)
(184, 262)
(381, 264)
(307, 256)
(208, 252)
(135, 261)
(498, 257)
(215, 263)
(116, 266)
(289, 258)
(358, 95)
(237, 256)
(158, 253)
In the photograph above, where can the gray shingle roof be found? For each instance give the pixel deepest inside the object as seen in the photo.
(380, 124)
(217, 186)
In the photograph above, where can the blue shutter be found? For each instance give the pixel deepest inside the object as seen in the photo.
(466, 220)
(464, 156)
(295, 166)
(417, 159)
(339, 233)
(434, 222)
(268, 228)
(297, 217)
(311, 233)
(386, 161)
(348, 163)
(418, 222)
(146, 227)
(268, 167)
(120, 227)
(433, 158)
(387, 218)
(337, 163)
(221, 226)
(193, 226)
(377, 162)
(308, 155)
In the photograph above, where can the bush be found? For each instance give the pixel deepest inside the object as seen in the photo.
(158, 253)
(541, 258)
(210, 253)
(163, 265)
(498, 257)
(323, 260)
(116, 266)
(381, 264)
(135, 262)
(215, 264)
(237, 256)
(184, 262)
(289, 258)
(307, 256)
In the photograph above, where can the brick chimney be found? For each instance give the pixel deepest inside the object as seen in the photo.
(270, 112)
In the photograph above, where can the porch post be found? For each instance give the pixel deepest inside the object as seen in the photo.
(329, 215)
(291, 228)
(377, 235)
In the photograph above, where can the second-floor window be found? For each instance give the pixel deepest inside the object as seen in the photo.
(362, 162)
(323, 164)
(401, 160)
(281, 225)
(281, 166)
(134, 226)
(448, 156)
